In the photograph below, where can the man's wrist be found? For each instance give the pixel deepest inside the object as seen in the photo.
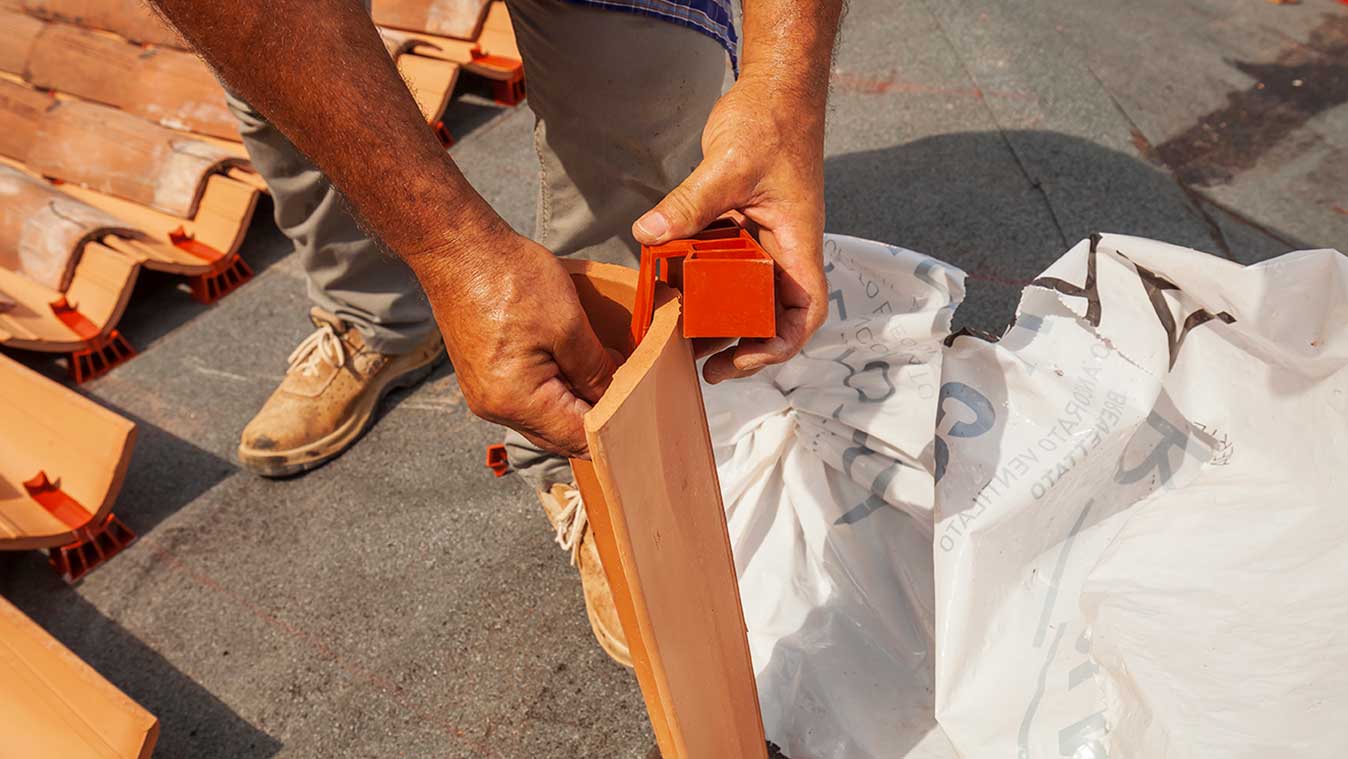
(467, 238)
(788, 72)
(438, 216)
(788, 51)
(804, 101)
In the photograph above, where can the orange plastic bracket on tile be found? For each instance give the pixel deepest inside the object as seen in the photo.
(96, 545)
(93, 545)
(72, 318)
(442, 134)
(101, 352)
(227, 272)
(52, 498)
(497, 460)
(726, 279)
(507, 89)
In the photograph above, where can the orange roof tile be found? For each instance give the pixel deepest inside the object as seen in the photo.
(119, 154)
(17, 34)
(79, 445)
(54, 705)
(43, 231)
(166, 86)
(21, 110)
(131, 19)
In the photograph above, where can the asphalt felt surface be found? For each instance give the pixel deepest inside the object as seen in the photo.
(401, 602)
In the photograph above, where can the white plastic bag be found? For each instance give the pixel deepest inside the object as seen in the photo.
(825, 463)
(1138, 544)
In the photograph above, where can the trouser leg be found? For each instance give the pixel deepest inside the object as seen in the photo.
(538, 467)
(619, 101)
(348, 274)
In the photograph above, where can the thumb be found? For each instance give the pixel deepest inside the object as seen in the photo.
(587, 366)
(689, 208)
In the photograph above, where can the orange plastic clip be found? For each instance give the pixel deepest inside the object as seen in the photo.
(101, 352)
(51, 497)
(497, 460)
(98, 544)
(726, 279)
(442, 134)
(227, 273)
(506, 75)
(93, 545)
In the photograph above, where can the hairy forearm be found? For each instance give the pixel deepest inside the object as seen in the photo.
(788, 48)
(319, 72)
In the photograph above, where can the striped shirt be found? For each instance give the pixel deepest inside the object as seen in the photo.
(713, 18)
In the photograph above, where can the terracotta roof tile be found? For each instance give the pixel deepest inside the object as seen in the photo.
(109, 257)
(100, 288)
(89, 64)
(131, 19)
(166, 86)
(43, 231)
(114, 152)
(660, 530)
(84, 450)
(17, 34)
(51, 703)
(498, 36)
(21, 110)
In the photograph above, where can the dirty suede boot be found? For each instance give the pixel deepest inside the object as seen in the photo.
(328, 397)
(566, 511)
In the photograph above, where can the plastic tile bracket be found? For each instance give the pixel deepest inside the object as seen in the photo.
(443, 134)
(95, 541)
(227, 272)
(726, 279)
(101, 352)
(506, 75)
(497, 460)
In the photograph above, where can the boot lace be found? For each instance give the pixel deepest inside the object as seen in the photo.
(571, 523)
(322, 345)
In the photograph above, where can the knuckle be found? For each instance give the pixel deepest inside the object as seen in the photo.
(814, 321)
(490, 405)
(682, 204)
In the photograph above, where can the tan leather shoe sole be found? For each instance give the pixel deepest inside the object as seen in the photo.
(404, 371)
(599, 608)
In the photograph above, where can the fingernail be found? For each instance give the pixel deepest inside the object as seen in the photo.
(754, 361)
(654, 225)
(747, 364)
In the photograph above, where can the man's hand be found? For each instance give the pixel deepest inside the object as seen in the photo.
(763, 156)
(760, 160)
(522, 348)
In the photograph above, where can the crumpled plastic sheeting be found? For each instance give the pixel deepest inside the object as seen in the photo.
(1120, 531)
(825, 463)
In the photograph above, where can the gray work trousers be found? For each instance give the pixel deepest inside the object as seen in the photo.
(619, 102)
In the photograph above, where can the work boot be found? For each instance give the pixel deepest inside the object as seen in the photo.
(328, 398)
(566, 511)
